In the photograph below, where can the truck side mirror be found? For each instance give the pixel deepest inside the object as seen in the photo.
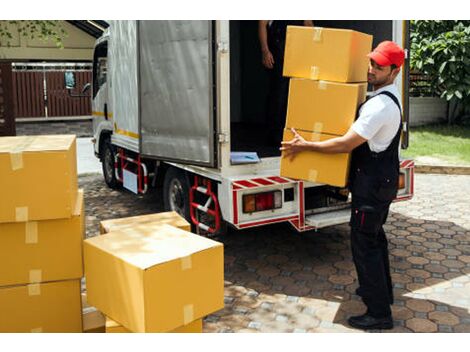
(86, 87)
(69, 78)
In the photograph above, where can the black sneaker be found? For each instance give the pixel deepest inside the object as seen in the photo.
(368, 322)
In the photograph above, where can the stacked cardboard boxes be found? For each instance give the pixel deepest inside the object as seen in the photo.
(153, 277)
(328, 70)
(41, 233)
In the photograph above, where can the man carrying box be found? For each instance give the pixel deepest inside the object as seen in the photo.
(373, 181)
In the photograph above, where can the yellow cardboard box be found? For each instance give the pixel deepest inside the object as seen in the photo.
(170, 218)
(331, 169)
(93, 320)
(327, 54)
(193, 327)
(45, 307)
(38, 178)
(323, 107)
(154, 281)
(42, 251)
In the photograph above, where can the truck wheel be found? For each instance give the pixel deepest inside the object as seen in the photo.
(176, 193)
(107, 162)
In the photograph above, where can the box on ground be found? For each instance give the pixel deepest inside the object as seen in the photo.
(154, 281)
(45, 307)
(193, 327)
(323, 107)
(37, 170)
(170, 218)
(93, 320)
(331, 169)
(44, 250)
(328, 54)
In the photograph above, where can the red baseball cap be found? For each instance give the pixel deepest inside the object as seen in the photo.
(388, 53)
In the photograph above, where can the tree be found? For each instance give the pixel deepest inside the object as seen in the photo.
(43, 30)
(441, 50)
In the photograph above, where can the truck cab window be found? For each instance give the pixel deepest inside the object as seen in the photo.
(99, 67)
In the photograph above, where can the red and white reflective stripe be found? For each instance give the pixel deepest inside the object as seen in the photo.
(235, 207)
(407, 164)
(265, 222)
(260, 182)
(278, 179)
(301, 205)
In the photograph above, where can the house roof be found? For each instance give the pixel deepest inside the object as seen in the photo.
(94, 28)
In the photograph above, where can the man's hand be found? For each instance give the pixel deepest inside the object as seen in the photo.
(294, 146)
(268, 60)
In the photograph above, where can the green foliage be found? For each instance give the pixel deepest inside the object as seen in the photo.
(43, 30)
(441, 50)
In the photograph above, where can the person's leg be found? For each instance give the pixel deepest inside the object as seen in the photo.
(386, 263)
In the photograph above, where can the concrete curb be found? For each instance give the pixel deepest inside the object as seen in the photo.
(442, 169)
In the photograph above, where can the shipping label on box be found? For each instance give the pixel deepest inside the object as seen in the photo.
(44, 250)
(328, 54)
(323, 107)
(154, 281)
(38, 180)
(46, 307)
(330, 169)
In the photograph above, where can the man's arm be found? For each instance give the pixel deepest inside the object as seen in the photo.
(344, 144)
(267, 56)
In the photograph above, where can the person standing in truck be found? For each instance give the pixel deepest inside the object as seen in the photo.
(272, 37)
(374, 141)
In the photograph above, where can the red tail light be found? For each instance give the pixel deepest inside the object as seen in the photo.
(262, 201)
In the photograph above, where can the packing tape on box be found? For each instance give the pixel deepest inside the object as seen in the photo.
(322, 85)
(317, 34)
(188, 312)
(186, 263)
(16, 160)
(34, 289)
(36, 330)
(35, 276)
(21, 214)
(317, 128)
(312, 175)
(31, 232)
(315, 137)
(314, 72)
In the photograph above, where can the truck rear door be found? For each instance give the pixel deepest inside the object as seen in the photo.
(177, 96)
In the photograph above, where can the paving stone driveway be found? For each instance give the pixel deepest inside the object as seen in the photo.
(280, 281)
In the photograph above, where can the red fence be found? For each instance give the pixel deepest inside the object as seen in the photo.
(39, 90)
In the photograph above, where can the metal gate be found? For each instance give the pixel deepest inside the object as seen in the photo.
(7, 118)
(39, 90)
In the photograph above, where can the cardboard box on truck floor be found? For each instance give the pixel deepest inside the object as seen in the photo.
(44, 307)
(330, 169)
(323, 107)
(154, 281)
(193, 327)
(38, 180)
(44, 250)
(327, 54)
(170, 218)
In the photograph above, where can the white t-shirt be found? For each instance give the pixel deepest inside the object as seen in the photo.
(379, 119)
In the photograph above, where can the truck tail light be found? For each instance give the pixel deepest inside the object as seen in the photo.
(262, 201)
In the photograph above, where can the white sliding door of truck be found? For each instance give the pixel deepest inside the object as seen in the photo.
(176, 91)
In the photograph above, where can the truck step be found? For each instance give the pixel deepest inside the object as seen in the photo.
(328, 219)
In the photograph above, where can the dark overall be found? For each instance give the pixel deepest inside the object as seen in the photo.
(278, 85)
(373, 185)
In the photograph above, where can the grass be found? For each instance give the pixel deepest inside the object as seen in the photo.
(450, 144)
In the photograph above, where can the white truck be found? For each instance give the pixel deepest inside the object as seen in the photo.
(172, 100)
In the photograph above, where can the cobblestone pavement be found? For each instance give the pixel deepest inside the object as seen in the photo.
(82, 128)
(277, 280)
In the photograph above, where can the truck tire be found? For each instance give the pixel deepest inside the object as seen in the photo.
(176, 192)
(107, 163)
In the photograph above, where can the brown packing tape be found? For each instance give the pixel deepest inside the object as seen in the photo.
(34, 289)
(317, 34)
(36, 330)
(186, 263)
(188, 314)
(31, 232)
(16, 160)
(317, 128)
(314, 72)
(21, 214)
(312, 175)
(35, 276)
(322, 85)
